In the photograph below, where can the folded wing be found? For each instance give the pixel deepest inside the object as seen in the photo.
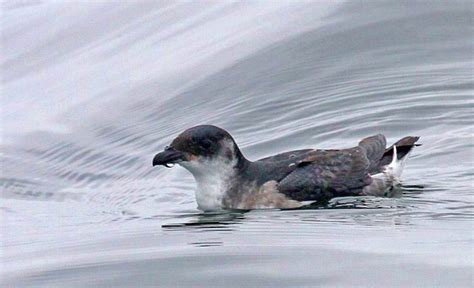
(328, 174)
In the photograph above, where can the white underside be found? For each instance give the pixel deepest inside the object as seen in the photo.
(212, 178)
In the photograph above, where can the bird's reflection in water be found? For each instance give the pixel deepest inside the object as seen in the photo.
(215, 221)
(207, 228)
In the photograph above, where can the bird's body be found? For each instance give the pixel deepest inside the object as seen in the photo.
(226, 179)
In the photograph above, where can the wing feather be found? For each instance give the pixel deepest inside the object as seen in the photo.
(327, 174)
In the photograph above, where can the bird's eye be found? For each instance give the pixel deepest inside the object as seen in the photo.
(206, 144)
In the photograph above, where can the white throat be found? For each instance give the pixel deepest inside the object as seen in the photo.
(213, 178)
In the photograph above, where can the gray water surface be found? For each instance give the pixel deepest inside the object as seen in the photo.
(92, 90)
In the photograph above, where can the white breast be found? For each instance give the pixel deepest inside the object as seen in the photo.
(212, 178)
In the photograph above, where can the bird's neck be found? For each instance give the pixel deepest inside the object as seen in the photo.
(214, 178)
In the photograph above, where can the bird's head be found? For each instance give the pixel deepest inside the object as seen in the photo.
(199, 147)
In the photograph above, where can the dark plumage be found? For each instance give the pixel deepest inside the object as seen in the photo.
(226, 179)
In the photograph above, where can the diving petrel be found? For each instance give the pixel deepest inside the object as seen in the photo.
(227, 180)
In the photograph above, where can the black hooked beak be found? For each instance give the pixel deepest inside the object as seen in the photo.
(168, 157)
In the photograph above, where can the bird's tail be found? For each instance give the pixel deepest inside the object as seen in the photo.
(391, 166)
(394, 158)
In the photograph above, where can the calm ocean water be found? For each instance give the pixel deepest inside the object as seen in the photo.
(92, 90)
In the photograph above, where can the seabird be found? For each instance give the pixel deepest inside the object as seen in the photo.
(227, 180)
